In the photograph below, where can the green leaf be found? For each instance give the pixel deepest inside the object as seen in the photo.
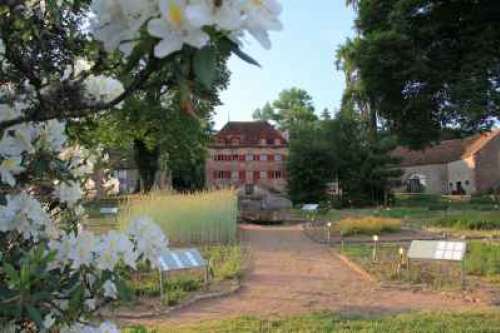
(35, 315)
(243, 56)
(205, 66)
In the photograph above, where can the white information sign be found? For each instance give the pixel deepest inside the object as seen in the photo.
(310, 207)
(109, 210)
(437, 250)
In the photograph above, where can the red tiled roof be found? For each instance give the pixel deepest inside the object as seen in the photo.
(445, 152)
(249, 132)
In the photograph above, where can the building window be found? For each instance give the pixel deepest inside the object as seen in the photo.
(242, 157)
(278, 157)
(270, 141)
(219, 174)
(262, 141)
(467, 183)
(234, 175)
(275, 174)
(235, 157)
(263, 175)
(263, 157)
(235, 141)
(242, 175)
(277, 142)
(256, 175)
(249, 157)
(256, 157)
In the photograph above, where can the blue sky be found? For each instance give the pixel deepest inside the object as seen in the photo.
(303, 55)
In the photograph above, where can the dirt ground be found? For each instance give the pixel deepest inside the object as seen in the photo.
(290, 275)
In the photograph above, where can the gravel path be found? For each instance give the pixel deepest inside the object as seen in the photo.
(290, 275)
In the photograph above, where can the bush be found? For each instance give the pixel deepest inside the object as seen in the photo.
(483, 259)
(369, 225)
(199, 218)
(226, 262)
(469, 221)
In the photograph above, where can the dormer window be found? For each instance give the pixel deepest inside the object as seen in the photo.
(277, 141)
(262, 141)
(235, 141)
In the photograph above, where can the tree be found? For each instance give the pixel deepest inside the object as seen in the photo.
(293, 107)
(309, 164)
(341, 150)
(423, 66)
(68, 60)
(325, 115)
(265, 114)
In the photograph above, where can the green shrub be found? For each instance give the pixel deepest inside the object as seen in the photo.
(469, 221)
(199, 218)
(483, 259)
(226, 262)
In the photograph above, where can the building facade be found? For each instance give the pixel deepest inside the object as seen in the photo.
(459, 166)
(247, 153)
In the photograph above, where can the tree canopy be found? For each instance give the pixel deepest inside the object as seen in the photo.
(293, 107)
(423, 65)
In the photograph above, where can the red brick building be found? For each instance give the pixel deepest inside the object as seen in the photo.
(246, 153)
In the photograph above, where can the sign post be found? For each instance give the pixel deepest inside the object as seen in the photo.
(439, 250)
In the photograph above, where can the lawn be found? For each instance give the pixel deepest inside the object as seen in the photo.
(324, 322)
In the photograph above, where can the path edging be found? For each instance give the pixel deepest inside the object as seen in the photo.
(191, 301)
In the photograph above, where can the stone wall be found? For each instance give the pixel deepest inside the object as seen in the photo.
(435, 175)
(462, 171)
(488, 166)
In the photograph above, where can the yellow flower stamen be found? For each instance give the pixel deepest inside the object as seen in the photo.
(175, 14)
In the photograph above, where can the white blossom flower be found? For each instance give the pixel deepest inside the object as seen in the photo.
(149, 239)
(62, 247)
(174, 29)
(110, 290)
(117, 22)
(9, 168)
(48, 321)
(69, 193)
(260, 17)
(24, 214)
(90, 304)
(225, 15)
(102, 88)
(18, 140)
(82, 253)
(113, 247)
(52, 135)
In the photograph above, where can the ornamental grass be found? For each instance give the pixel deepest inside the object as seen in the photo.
(201, 218)
(369, 225)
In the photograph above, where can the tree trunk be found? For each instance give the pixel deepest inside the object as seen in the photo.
(147, 164)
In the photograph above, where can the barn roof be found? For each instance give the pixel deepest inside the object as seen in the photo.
(446, 151)
(249, 132)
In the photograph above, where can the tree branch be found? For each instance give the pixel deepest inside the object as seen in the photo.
(84, 109)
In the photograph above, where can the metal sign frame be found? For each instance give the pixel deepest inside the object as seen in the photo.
(441, 251)
(179, 260)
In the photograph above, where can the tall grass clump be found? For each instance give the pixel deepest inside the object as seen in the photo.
(201, 218)
(368, 225)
